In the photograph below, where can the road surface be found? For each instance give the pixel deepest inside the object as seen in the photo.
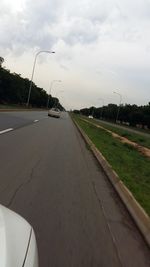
(48, 175)
(14, 120)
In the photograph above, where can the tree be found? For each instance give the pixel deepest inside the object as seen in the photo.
(14, 90)
(1, 61)
(131, 114)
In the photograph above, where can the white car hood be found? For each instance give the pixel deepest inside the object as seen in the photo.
(14, 238)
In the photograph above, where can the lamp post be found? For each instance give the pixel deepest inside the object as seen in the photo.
(50, 89)
(33, 69)
(119, 105)
(102, 106)
(58, 93)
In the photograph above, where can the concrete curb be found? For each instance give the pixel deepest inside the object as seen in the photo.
(140, 217)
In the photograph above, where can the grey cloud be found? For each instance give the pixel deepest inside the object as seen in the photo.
(64, 67)
(79, 30)
(35, 25)
(51, 20)
(29, 28)
(135, 10)
(42, 24)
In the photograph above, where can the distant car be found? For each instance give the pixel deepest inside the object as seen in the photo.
(90, 117)
(54, 112)
(17, 241)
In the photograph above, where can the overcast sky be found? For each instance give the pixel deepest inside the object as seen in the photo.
(101, 46)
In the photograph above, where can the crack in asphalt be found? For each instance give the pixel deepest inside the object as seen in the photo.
(107, 223)
(123, 222)
(23, 184)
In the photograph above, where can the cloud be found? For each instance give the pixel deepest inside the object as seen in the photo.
(41, 24)
(44, 23)
(28, 28)
(64, 67)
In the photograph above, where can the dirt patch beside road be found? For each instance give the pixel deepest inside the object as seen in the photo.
(144, 150)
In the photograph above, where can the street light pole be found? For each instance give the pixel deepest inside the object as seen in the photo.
(119, 105)
(50, 89)
(33, 69)
(61, 91)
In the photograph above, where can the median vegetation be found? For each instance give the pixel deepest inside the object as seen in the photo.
(132, 167)
(138, 138)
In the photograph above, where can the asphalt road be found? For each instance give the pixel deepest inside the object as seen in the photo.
(48, 175)
(14, 120)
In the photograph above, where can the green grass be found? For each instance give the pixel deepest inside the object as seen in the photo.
(137, 138)
(132, 168)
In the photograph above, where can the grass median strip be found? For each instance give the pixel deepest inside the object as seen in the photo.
(132, 168)
(142, 149)
(137, 138)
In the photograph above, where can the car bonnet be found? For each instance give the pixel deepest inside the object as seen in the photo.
(14, 238)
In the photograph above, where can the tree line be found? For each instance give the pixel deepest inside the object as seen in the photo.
(14, 90)
(132, 115)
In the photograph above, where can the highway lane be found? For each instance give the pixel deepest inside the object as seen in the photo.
(48, 175)
(15, 119)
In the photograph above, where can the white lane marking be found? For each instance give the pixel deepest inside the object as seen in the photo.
(6, 130)
(35, 120)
